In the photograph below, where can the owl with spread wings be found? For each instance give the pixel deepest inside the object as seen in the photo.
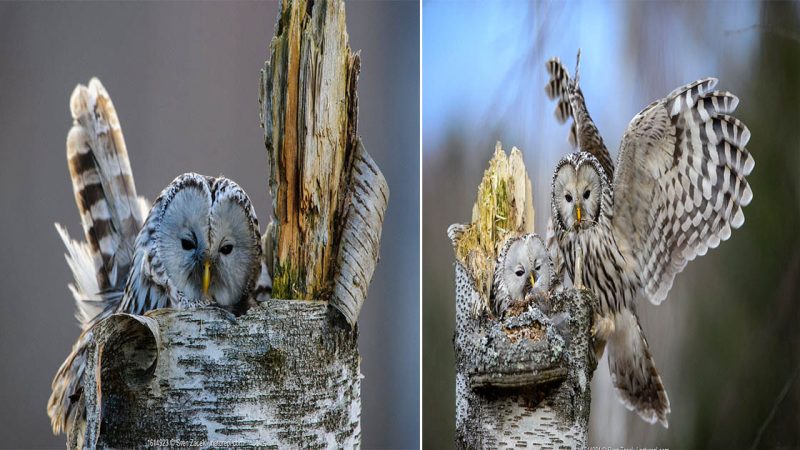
(678, 189)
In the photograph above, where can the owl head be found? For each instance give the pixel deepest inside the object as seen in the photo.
(206, 240)
(523, 267)
(579, 192)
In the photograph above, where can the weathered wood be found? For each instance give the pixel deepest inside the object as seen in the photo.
(522, 381)
(504, 208)
(285, 375)
(309, 105)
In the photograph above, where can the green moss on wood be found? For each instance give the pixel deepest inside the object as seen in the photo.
(288, 283)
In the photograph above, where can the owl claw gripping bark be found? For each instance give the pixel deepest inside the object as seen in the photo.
(602, 329)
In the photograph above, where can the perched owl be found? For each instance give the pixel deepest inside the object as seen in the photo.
(523, 272)
(199, 245)
(678, 190)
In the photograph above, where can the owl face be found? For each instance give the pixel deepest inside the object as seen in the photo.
(524, 267)
(208, 240)
(577, 193)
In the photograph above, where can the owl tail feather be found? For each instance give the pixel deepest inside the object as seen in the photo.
(111, 212)
(111, 215)
(634, 373)
(65, 405)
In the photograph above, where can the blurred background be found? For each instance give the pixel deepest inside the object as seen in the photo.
(727, 341)
(184, 80)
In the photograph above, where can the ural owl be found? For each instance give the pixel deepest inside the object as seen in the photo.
(679, 189)
(199, 245)
(524, 272)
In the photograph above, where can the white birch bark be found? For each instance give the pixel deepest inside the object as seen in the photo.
(284, 375)
(524, 381)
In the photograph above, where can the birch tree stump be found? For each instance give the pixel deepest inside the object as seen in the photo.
(522, 381)
(287, 373)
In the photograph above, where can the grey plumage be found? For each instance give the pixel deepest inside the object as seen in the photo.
(678, 190)
(192, 220)
(523, 271)
(199, 245)
(105, 193)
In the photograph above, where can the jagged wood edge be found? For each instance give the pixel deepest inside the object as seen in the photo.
(342, 271)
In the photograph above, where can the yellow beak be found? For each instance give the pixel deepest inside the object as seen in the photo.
(578, 213)
(533, 281)
(206, 276)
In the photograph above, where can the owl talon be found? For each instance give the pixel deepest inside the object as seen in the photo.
(602, 327)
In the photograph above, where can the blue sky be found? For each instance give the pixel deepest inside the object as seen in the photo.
(483, 62)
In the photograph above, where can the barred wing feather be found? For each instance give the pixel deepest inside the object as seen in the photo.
(680, 184)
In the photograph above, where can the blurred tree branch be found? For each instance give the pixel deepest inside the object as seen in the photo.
(777, 31)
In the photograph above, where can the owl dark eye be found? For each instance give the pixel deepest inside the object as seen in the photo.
(586, 194)
(226, 249)
(537, 267)
(568, 198)
(520, 272)
(188, 244)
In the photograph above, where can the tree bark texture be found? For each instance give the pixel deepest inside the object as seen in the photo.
(328, 195)
(523, 381)
(284, 375)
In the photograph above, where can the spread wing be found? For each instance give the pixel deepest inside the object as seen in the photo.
(680, 184)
